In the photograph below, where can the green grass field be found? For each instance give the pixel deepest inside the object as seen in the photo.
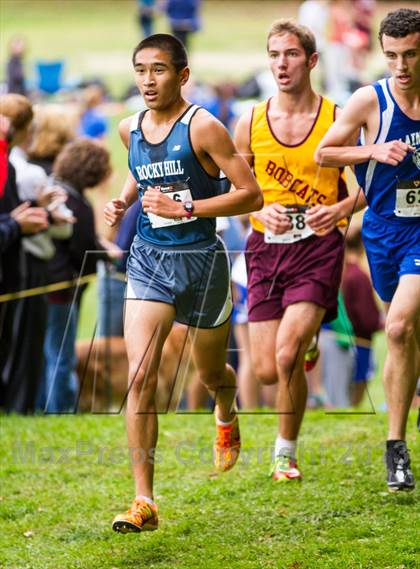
(64, 478)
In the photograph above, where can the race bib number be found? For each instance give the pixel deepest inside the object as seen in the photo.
(177, 191)
(299, 230)
(407, 201)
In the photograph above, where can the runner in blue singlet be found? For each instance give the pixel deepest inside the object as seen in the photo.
(388, 169)
(177, 269)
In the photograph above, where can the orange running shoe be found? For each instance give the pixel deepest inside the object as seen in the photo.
(142, 516)
(227, 445)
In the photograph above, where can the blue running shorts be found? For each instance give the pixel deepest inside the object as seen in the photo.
(195, 279)
(392, 249)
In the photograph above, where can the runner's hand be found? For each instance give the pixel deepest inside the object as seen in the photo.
(274, 219)
(392, 152)
(114, 211)
(154, 201)
(322, 219)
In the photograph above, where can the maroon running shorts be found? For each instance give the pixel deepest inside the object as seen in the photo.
(282, 274)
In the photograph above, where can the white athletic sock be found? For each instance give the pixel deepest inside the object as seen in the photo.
(283, 447)
(146, 499)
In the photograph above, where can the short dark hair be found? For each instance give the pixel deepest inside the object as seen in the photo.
(83, 164)
(167, 43)
(400, 23)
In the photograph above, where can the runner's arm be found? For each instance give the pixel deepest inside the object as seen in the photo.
(214, 140)
(246, 195)
(323, 219)
(334, 149)
(115, 209)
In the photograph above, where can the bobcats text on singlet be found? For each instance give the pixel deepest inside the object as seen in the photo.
(288, 174)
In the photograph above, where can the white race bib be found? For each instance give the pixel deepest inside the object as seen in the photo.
(299, 229)
(407, 199)
(179, 192)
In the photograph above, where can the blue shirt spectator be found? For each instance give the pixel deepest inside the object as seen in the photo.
(184, 18)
